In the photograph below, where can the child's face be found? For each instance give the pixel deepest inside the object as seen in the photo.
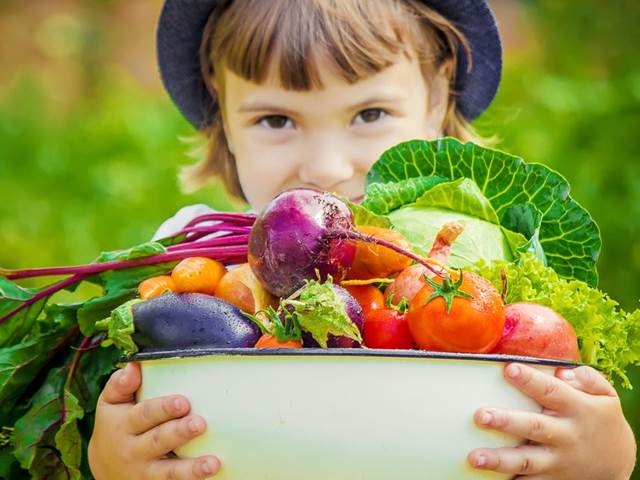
(325, 138)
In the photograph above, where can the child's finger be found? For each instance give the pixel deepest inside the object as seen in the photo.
(586, 379)
(184, 469)
(122, 385)
(522, 460)
(168, 436)
(150, 413)
(545, 389)
(530, 426)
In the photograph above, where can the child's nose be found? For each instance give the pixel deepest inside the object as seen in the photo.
(325, 166)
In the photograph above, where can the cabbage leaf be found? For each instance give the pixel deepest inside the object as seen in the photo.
(527, 198)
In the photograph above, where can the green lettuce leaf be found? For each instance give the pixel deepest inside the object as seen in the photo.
(568, 236)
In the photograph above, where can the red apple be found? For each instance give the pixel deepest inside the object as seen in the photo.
(537, 331)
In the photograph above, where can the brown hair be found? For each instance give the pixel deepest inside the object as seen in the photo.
(362, 37)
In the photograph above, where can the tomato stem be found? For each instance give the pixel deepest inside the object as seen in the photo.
(447, 290)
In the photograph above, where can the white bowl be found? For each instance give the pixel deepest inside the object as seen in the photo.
(338, 414)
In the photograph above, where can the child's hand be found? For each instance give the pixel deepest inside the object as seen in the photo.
(135, 440)
(581, 434)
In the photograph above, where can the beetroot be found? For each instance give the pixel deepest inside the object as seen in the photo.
(305, 234)
(295, 237)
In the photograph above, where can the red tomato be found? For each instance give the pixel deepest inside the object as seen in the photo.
(470, 325)
(269, 341)
(387, 328)
(368, 296)
(197, 274)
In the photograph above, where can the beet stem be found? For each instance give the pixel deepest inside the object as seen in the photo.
(241, 218)
(232, 251)
(225, 241)
(43, 294)
(214, 229)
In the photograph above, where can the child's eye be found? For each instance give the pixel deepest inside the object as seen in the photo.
(369, 115)
(276, 122)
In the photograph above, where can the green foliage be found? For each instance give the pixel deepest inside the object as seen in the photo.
(503, 184)
(320, 310)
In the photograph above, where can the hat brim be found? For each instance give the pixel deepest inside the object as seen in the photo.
(182, 23)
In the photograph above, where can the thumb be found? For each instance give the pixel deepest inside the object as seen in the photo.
(122, 385)
(586, 379)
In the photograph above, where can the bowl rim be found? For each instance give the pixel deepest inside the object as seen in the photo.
(157, 354)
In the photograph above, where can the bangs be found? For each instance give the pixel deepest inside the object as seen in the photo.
(359, 37)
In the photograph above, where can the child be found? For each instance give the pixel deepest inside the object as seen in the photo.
(310, 93)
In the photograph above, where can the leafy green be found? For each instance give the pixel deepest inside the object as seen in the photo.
(119, 327)
(143, 250)
(462, 195)
(609, 337)
(35, 433)
(22, 363)
(461, 201)
(67, 439)
(320, 311)
(384, 197)
(568, 236)
(11, 297)
(100, 307)
(364, 216)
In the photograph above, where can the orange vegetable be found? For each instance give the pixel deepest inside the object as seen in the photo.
(154, 286)
(197, 275)
(463, 315)
(375, 261)
(242, 288)
(269, 341)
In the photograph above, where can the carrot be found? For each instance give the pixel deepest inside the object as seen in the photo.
(197, 274)
(373, 261)
(154, 286)
(269, 341)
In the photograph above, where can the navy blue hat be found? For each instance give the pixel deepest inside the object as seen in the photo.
(182, 24)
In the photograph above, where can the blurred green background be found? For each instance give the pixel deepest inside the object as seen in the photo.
(90, 144)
